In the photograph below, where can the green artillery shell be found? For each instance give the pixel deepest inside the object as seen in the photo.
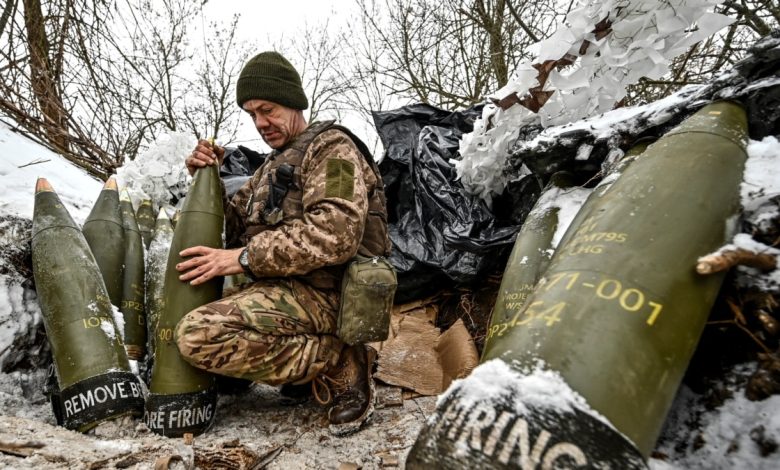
(105, 236)
(132, 305)
(155, 273)
(620, 310)
(530, 256)
(182, 398)
(175, 218)
(95, 382)
(632, 154)
(145, 218)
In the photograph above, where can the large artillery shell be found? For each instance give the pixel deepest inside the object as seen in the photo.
(92, 369)
(155, 273)
(182, 398)
(132, 304)
(601, 188)
(530, 257)
(145, 218)
(105, 235)
(619, 311)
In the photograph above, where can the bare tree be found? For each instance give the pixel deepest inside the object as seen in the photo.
(318, 53)
(97, 80)
(451, 53)
(210, 108)
(754, 19)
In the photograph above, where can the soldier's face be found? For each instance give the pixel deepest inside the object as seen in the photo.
(277, 124)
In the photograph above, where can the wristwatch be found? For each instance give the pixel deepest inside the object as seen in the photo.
(243, 260)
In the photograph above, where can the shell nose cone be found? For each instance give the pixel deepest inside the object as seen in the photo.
(42, 184)
(111, 184)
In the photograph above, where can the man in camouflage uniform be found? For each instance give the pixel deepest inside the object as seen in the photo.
(316, 202)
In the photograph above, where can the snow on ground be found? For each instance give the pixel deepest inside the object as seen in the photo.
(735, 435)
(76, 189)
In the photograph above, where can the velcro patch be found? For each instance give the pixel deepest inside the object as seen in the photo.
(340, 179)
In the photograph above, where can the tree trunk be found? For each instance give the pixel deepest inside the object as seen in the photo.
(44, 82)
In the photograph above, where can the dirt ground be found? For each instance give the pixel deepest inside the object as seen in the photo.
(257, 428)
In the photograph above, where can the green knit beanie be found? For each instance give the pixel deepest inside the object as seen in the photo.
(269, 76)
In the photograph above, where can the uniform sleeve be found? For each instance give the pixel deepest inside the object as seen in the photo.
(335, 206)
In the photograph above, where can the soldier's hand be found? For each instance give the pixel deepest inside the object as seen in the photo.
(206, 263)
(204, 154)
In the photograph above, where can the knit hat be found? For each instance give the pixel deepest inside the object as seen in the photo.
(269, 76)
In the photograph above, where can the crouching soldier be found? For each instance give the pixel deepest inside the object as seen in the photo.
(316, 203)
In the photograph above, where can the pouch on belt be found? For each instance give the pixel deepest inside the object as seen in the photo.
(367, 291)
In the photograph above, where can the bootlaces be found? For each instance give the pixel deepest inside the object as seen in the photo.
(322, 385)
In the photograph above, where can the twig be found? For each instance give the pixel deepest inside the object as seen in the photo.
(744, 329)
(34, 162)
(727, 259)
(20, 449)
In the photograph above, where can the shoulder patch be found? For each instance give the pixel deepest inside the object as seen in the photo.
(340, 179)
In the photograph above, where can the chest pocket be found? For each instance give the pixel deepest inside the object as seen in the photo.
(283, 199)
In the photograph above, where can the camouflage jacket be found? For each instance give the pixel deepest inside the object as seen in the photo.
(333, 209)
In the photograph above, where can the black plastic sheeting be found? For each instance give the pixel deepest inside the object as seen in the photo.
(441, 235)
(239, 165)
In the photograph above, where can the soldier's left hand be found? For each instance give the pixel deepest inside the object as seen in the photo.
(206, 263)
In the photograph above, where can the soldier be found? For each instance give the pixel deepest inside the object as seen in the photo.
(316, 202)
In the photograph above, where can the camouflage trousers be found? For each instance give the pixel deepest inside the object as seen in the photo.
(274, 331)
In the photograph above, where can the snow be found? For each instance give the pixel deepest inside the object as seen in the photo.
(762, 173)
(118, 325)
(159, 173)
(726, 435)
(568, 202)
(539, 388)
(606, 125)
(19, 314)
(76, 189)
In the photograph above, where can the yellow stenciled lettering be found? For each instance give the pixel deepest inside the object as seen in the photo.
(559, 276)
(553, 314)
(554, 280)
(613, 286)
(528, 313)
(92, 322)
(656, 311)
(639, 300)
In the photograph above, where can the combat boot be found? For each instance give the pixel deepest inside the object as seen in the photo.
(349, 390)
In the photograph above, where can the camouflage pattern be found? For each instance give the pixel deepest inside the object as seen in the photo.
(273, 332)
(282, 329)
(322, 224)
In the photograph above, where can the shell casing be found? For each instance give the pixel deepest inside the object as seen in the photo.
(145, 218)
(530, 256)
(632, 154)
(155, 274)
(104, 233)
(620, 309)
(178, 389)
(132, 305)
(93, 373)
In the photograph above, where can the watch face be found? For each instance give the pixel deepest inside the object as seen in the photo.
(243, 259)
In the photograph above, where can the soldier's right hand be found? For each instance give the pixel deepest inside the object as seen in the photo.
(204, 154)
